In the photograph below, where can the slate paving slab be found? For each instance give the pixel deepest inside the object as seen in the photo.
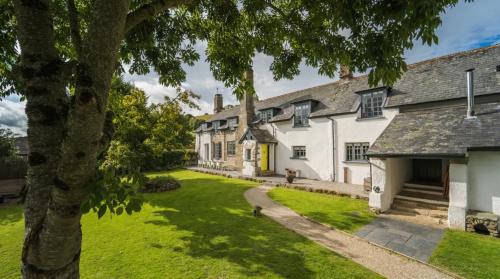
(413, 240)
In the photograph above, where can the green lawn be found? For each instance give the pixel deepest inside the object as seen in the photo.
(343, 213)
(469, 255)
(202, 230)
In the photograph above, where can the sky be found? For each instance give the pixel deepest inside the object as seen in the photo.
(465, 26)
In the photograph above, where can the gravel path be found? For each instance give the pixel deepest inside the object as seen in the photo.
(380, 260)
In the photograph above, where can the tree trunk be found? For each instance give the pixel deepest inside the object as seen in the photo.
(64, 137)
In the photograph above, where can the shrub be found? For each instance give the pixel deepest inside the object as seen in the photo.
(160, 184)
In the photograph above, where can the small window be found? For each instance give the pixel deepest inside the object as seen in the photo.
(371, 104)
(248, 154)
(301, 117)
(216, 125)
(356, 151)
(218, 151)
(265, 115)
(231, 148)
(299, 152)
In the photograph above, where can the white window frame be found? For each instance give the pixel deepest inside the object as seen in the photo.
(356, 151)
(299, 152)
(301, 114)
(372, 104)
(266, 114)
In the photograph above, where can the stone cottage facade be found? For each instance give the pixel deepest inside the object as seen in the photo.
(432, 140)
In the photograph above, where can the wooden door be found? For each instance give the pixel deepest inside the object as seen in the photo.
(427, 170)
(264, 157)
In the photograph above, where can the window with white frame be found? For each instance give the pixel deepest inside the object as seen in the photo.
(265, 115)
(218, 151)
(216, 124)
(301, 116)
(371, 104)
(356, 151)
(231, 148)
(299, 152)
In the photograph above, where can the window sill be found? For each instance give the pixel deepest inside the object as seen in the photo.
(301, 126)
(298, 158)
(356, 162)
(370, 118)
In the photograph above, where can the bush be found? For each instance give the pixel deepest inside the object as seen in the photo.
(160, 184)
(170, 159)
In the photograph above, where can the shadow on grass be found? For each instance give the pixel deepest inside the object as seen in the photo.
(221, 226)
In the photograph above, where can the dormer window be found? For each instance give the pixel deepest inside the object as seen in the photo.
(216, 125)
(371, 103)
(266, 114)
(301, 115)
(232, 122)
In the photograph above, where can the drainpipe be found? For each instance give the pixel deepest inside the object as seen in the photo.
(333, 149)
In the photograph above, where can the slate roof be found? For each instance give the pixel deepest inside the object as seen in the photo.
(437, 79)
(438, 132)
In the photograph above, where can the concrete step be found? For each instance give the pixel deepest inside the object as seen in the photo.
(419, 203)
(418, 219)
(415, 185)
(429, 198)
(435, 213)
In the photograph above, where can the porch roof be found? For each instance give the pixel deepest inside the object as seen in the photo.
(260, 135)
(443, 132)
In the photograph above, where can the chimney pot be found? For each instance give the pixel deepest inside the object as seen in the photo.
(345, 73)
(218, 105)
(470, 92)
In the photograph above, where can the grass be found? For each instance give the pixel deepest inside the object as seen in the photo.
(202, 230)
(469, 255)
(343, 213)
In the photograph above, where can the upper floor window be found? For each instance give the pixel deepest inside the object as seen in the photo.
(371, 104)
(302, 111)
(232, 122)
(216, 124)
(265, 115)
(356, 151)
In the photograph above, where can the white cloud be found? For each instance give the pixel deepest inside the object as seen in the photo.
(12, 115)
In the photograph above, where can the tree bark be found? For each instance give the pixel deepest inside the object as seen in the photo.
(64, 137)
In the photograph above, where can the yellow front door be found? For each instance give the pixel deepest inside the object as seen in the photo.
(264, 159)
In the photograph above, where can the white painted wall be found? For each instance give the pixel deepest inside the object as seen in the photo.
(458, 195)
(201, 139)
(318, 142)
(249, 168)
(350, 129)
(389, 174)
(484, 181)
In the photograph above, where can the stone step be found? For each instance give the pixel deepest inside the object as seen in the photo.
(435, 213)
(429, 198)
(423, 186)
(418, 204)
(418, 219)
(424, 191)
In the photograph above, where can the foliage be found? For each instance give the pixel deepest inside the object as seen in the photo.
(159, 184)
(191, 233)
(7, 147)
(469, 255)
(12, 167)
(343, 213)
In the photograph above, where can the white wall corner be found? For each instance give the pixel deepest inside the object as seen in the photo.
(382, 200)
(458, 196)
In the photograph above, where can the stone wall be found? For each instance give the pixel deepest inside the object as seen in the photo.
(482, 222)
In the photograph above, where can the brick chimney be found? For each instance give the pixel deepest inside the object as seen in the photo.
(246, 104)
(345, 73)
(218, 105)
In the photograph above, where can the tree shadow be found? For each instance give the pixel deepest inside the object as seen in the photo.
(221, 226)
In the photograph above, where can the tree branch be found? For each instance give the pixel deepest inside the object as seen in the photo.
(150, 10)
(74, 25)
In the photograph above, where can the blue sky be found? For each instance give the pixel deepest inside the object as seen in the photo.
(465, 26)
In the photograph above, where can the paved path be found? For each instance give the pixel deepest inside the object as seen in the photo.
(380, 260)
(413, 240)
